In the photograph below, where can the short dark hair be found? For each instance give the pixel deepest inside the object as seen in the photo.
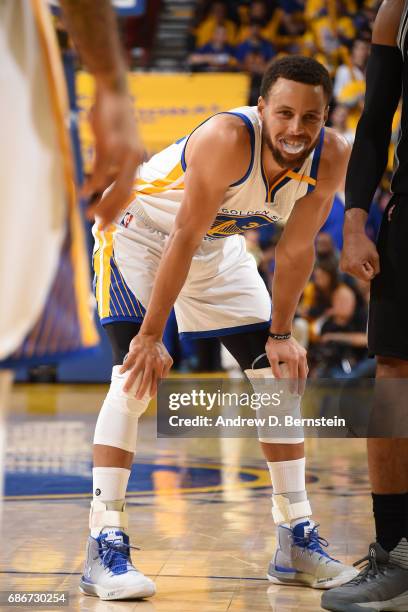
(297, 68)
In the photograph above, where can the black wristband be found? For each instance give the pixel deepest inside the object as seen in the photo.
(280, 336)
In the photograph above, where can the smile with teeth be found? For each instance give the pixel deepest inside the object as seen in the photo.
(291, 146)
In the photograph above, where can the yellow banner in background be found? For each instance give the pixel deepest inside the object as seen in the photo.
(169, 106)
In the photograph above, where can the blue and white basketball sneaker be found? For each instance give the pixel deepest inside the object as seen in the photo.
(301, 560)
(109, 572)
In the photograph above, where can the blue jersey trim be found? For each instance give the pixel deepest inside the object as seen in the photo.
(251, 131)
(120, 318)
(265, 180)
(225, 331)
(281, 184)
(316, 160)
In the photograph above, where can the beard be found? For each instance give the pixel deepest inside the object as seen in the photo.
(287, 162)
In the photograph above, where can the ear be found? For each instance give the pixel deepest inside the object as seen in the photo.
(326, 113)
(261, 106)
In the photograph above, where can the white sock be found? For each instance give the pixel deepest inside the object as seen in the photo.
(109, 486)
(288, 479)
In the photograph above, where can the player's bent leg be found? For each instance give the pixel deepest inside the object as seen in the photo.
(300, 557)
(109, 572)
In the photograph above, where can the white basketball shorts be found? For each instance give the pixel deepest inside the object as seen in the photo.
(223, 293)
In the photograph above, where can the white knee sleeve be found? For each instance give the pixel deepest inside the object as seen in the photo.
(117, 421)
(288, 407)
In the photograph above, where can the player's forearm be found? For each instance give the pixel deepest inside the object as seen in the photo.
(367, 165)
(170, 278)
(354, 221)
(370, 150)
(290, 278)
(93, 27)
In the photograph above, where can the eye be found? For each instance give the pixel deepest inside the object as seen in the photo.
(311, 118)
(285, 113)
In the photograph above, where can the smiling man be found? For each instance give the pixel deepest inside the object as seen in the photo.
(180, 243)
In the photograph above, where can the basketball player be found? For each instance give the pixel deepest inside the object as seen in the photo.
(383, 583)
(180, 242)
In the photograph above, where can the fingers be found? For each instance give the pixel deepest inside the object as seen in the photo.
(292, 363)
(374, 261)
(148, 369)
(101, 175)
(371, 270)
(275, 367)
(365, 269)
(146, 381)
(303, 367)
(364, 272)
(117, 198)
(128, 362)
(293, 367)
(303, 373)
(154, 383)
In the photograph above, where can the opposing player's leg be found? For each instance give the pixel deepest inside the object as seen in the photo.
(383, 583)
(109, 572)
(300, 557)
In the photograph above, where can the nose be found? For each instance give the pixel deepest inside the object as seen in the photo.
(295, 127)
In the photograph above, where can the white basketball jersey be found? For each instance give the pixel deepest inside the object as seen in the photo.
(248, 203)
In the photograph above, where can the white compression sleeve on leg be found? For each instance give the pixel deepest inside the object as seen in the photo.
(110, 483)
(117, 421)
(289, 408)
(288, 476)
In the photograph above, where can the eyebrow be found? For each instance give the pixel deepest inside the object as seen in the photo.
(284, 107)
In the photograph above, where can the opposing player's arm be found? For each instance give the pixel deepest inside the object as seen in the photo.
(383, 89)
(217, 155)
(295, 252)
(118, 147)
(94, 30)
(370, 150)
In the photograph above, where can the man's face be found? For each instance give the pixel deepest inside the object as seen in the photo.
(220, 36)
(292, 116)
(360, 53)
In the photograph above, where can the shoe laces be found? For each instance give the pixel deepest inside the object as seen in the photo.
(369, 571)
(313, 542)
(115, 555)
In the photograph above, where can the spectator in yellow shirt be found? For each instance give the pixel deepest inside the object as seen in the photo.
(218, 16)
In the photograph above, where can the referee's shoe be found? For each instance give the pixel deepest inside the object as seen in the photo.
(381, 585)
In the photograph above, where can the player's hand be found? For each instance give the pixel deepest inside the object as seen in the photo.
(148, 359)
(118, 152)
(288, 359)
(359, 256)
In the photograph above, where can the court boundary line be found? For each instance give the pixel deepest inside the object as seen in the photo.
(19, 572)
